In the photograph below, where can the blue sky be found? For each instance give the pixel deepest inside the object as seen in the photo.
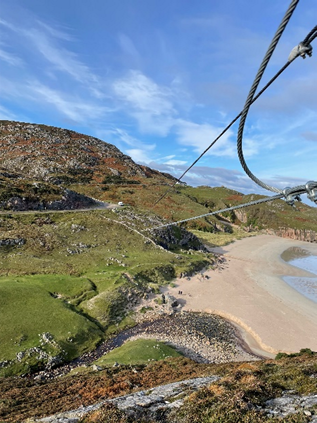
(160, 79)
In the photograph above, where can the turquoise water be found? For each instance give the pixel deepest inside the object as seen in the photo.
(303, 260)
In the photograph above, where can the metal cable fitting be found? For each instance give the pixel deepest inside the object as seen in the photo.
(300, 50)
(311, 189)
(291, 196)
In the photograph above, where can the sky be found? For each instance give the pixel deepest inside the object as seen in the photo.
(161, 79)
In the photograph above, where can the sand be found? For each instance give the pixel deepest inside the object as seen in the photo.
(249, 291)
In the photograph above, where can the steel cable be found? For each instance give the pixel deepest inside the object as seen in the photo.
(254, 86)
(240, 206)
(223, 132)
(308, 39)
(290, 194)
(310, 36)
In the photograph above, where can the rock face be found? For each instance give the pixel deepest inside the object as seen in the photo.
(297, 234)
(155, 404)
(151, 404)
(69, 200)
(55, 155)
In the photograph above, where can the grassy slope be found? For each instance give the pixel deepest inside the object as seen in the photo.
(92, 246)
(227, 400)
(185, 201)
(139, 351)
(68, 278)
(27, 309)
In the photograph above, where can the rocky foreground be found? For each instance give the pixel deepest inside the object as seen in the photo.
(155, 404)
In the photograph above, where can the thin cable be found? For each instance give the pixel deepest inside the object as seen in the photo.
(224, 131)
(254, 86)
(310, 36)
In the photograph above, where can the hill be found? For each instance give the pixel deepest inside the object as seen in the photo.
(43, 167)
(69, 278)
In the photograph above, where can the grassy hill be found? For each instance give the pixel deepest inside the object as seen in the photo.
(75, 276)
(69, 279)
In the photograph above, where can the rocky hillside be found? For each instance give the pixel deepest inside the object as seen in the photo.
(38, 163)
(43, 167)
(55, 155)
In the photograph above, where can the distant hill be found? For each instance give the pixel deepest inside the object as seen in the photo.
(43, 166)
(55, 155)
(37, 163)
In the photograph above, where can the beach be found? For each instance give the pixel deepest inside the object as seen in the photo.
(247, 289)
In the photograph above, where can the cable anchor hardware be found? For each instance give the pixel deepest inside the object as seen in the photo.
(290, 196)
(301, 50)
(311, 189)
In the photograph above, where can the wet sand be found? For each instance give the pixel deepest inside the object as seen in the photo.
(248, 290)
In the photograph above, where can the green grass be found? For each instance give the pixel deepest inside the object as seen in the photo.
(29, 307)
(220, 239)
(72, 278)
(140, 351)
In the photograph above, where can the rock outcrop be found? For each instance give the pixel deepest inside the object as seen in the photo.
(56, 155)
(297, 234)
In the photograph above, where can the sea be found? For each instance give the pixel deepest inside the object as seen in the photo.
(302, 259)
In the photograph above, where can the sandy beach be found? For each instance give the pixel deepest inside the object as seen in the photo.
(248, 290)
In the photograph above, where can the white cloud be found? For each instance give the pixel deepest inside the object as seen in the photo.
(73, 108)
(56, 33)
(125, 137)
(200, 136)
(140, 155)
(46, 40)
(127, 46)
(64, 60)
(150, 104)
(6, 114)
(175, 162)
(10, 58)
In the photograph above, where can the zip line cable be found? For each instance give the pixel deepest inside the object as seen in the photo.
(240, 206)
(302, 49)
(289, 194)
(225, 130)
(254, 86)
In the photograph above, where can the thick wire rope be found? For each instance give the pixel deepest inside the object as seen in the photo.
(310, 36)
(250, 100)
(254, 86)
(290, 194)
(240, 206)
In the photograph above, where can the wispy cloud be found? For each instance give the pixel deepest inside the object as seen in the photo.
(45, 39)
(10, 58)
(128, 48)
(73, 108)
(200, 136)
(63, 60)
(141, 155)
(150, 104)
(6, 114)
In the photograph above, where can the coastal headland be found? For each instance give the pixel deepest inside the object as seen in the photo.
(248, 290)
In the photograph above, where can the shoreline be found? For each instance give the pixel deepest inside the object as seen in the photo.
(247, 289)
